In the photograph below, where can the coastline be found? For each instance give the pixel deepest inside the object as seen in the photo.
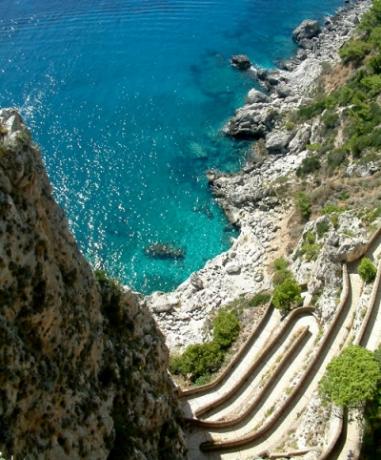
(251, 197)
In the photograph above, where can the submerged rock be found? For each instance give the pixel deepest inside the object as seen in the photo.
(164, 251)
(241, 61)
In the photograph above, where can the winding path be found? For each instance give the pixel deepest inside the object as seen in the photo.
(252, 405)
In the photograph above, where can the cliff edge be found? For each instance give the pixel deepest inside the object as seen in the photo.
(83, 366)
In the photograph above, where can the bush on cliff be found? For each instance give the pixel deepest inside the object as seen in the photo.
(200, 360)
(371, 448)
(367, 270)
(225, 328)
(281, 271)
(354, 52)
(308, 166)
(351, 378)
(287, 295)
(303, 204)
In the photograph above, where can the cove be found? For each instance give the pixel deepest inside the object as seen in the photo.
(126, 99)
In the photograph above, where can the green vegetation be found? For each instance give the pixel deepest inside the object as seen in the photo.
(322, 228)
(356, 100)
(310, 249)
(225, 328)
(281, 271)
(351, 378)
(287, 292)
(367, 270)
(309, 165)
(287, 295)
(260, 298)
(200, 360)
(303, 204)
(354, 51)
(331, 208)
(371, 448)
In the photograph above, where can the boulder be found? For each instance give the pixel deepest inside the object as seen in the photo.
(254, 97)
(249, 123)
(277, 142)
(241, 62)
(233, 268)
(305, 31)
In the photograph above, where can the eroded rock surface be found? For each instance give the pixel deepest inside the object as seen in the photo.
(83, 367)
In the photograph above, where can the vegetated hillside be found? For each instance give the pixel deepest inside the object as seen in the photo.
(343, 169)
(83, 368)
(343, 165)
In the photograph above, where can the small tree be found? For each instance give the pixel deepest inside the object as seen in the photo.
(351, 378)
(198, 360)
(287, 294)
(225, 328)
(367, 270)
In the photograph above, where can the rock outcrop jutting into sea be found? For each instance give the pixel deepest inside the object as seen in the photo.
(83, 366)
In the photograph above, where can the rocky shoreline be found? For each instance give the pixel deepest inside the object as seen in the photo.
(253, 198)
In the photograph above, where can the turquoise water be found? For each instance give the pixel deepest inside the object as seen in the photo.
(126, 99)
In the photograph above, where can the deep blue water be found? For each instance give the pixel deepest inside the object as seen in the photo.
(126, 99)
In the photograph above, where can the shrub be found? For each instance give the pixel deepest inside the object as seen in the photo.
(331, 208)
(198, 360)
(310, 249)
(322, 228)
(330, 119)
(375, 64)
(351, 378)
(281, 271)
(225, 328)
(280, 264)
(260, 299)
(336, 158)
(372, 84)
(303, 204)
(315, 108)
(287, 295)
(308, 166)
(354, 51)
(367, 270)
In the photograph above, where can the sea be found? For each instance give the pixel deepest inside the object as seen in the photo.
(127, 99)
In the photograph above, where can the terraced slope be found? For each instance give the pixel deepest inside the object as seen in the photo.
(246, 421)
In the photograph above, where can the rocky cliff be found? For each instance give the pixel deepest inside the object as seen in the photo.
(82, 365)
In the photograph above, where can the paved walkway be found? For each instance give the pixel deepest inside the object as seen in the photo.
(270, 401)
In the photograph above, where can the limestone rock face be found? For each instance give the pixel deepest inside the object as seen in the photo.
(277, 142)
(306, 30)
(83, 367)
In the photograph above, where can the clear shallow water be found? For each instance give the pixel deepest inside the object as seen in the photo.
(126, 98)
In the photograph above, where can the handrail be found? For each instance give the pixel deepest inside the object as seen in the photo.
(372, 304)
(339, 434)
(234, 362)
(334, 441)
(274, 418)
(359, 340)
(284, 363)
(263, 356)
(220, 445)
